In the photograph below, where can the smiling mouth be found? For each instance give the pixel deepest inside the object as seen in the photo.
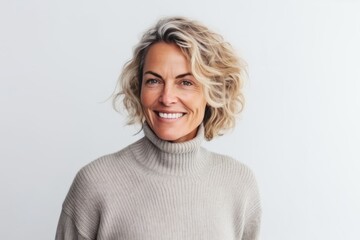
(170, 115)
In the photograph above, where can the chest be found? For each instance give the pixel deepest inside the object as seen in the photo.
(169, 210)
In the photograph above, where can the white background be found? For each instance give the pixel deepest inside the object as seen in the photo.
(59, 62)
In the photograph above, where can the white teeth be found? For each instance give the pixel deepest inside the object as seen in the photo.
(170, 115)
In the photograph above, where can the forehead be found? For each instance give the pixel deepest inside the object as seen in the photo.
(163, 55)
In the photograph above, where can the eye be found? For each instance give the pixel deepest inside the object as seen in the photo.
(152, 81)
(186, 83)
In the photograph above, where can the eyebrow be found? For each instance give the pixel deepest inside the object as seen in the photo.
(159, 76)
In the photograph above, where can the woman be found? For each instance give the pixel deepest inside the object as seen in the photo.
(183, 85)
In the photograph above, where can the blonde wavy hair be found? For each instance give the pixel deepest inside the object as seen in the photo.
(213, 63)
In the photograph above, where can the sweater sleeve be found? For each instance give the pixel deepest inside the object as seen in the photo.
(80, 215)
(252, 227)
(253, 213)
(67, 230)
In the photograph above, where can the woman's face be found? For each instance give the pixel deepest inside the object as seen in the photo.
(172, 99)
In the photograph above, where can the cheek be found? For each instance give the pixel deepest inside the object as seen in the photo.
(147, 98)
(199, 109)
(202, 105)
(144, 98)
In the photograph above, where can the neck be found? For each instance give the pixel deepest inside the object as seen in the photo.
(177, 159)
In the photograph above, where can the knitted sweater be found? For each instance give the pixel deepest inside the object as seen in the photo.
(158, 190)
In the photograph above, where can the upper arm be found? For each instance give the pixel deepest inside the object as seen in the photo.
(80, 214)
(67, 230)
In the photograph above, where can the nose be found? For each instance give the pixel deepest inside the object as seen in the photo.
(168, 95)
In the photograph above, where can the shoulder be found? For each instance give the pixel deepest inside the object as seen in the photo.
(231, 166)
(236, 174)
(93, 179)
(106, 166)
(241, 179)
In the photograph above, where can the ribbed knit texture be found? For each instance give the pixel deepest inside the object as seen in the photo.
(157, 190)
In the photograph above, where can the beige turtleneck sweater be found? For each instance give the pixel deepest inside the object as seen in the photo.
(157, 190)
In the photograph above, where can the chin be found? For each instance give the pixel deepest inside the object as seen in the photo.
(167, 137)
(173, 133)
(177, 137)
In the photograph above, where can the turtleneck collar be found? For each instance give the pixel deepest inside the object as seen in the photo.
(178, 159)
